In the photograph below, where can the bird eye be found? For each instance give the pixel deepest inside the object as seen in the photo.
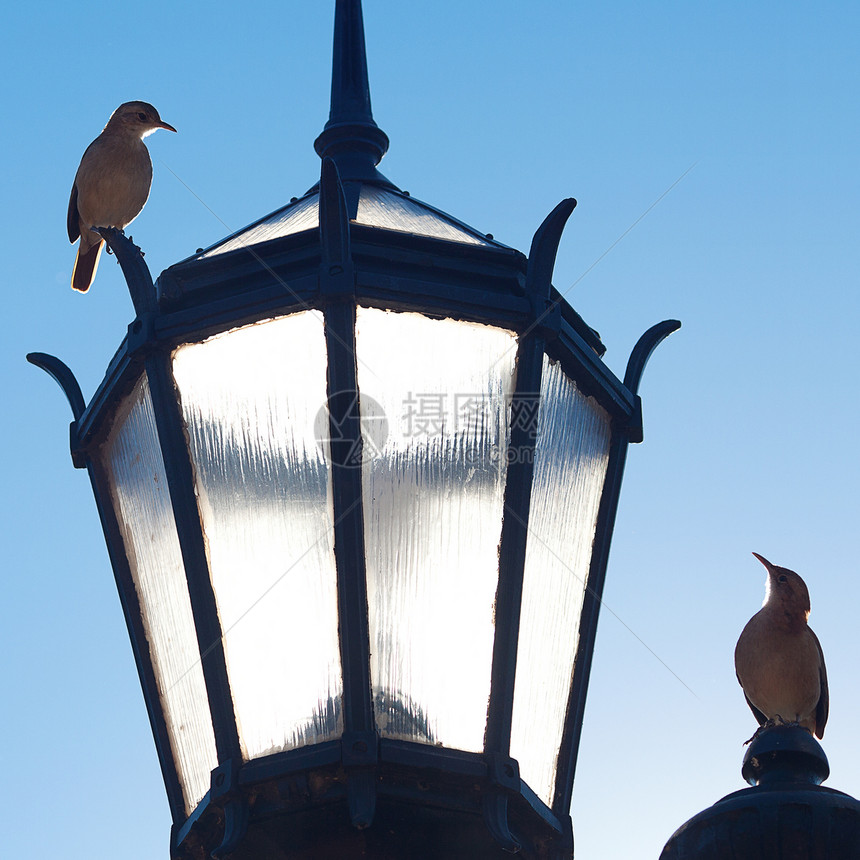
(142, 117)
(782, 578)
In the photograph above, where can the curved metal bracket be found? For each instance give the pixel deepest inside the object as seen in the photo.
(542, 254)
(504, 777)
(642, 352)
(235, 826)
(636, 365)
(224, 792)
(544, 249)
(64, 377)
(136, 272)
(496, 819)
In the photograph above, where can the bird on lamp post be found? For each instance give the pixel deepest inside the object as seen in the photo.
(112, 184)
(778, 659)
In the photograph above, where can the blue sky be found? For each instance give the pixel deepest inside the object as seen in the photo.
(494, 116)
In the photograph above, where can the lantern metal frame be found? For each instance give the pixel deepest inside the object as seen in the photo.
(334, 268)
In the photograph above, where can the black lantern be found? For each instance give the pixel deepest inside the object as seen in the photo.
(357, 467)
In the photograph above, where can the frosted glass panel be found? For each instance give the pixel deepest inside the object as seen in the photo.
(142, 505)
(298, 216)
(379, 207)
(250, 398)
(433, 492)
(570, 466)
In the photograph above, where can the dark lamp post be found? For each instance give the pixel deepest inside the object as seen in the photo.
(785, 814)
(357, 467)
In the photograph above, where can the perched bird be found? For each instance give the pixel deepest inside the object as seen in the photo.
(778, 659)
(112, 183)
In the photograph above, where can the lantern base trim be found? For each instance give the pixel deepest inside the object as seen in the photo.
(419, 799)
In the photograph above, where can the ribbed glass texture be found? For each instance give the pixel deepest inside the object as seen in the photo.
(433, 493)
(141, 502)
(254, 403)
(298, 216)
(571, 456)
(379, 207)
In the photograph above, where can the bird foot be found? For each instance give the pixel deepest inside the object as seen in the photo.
(773, 722)
(758, 731)
(139, 249)
(779, 721)
(105, 232)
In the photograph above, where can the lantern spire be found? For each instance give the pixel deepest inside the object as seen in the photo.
(351, 137)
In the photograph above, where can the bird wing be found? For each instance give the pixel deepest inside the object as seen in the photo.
(822, 709)
(72, 218)
(762, 719)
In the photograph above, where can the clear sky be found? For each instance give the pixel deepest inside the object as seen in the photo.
(495, 113)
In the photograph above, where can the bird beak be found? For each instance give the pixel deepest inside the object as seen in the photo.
(166, 126)
(764, 561)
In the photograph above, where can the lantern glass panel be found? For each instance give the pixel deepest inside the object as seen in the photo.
(571, 455)
(379, 207)
(138, 488)
(433, 492)
(302, 215)
(254, 403)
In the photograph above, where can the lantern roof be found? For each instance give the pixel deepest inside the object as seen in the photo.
(356, 144)
(385, 221)
(369, 204)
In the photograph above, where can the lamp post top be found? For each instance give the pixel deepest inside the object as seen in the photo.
(785, 806)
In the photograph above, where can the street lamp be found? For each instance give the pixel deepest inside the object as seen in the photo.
(357, 467)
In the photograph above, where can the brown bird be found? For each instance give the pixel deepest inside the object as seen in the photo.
(112, 183)
(778, 659)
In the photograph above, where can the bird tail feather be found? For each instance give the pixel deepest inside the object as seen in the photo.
(86, 264)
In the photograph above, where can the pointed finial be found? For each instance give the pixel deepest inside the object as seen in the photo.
(350, 136)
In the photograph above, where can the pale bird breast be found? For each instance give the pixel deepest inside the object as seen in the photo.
(774, 663)
(113, 182)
